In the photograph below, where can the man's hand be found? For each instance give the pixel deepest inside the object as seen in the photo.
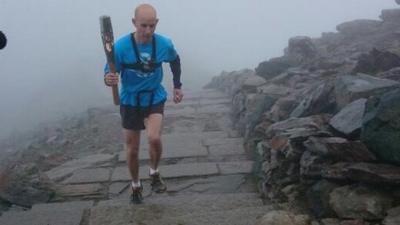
(178, 95)
(111, 79)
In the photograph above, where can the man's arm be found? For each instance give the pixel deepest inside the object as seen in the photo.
(176, 72)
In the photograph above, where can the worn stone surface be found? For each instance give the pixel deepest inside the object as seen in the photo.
(283, 218)
(80, 190)
(89, 176)
(69, 213)
(69, 167)
(227, 149)
(236, 167)
(169, 171)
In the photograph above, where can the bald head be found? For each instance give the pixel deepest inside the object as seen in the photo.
(145, 11)
(145, 21)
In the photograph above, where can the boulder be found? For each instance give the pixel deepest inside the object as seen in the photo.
(339, 149)
(359, 27)
(363, 172)
(320, 99)
(300, 128)
(351, 88)
(381, 127)
(376, 61)
(251, 83)
(390, 15)
(349, 120)
(359, 203)
(301, 49)
(273, 67)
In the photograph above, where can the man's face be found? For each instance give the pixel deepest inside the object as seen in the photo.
(145, 27)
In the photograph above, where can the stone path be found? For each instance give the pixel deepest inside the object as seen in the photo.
(204, 165)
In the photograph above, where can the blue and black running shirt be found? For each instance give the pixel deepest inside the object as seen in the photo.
(134, 80)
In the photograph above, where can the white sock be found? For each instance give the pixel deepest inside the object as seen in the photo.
(135, 185)
(153, 171)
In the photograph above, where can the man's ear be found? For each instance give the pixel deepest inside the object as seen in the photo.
(133, 21)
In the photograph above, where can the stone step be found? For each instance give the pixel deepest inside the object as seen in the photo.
(186, 144)
(240, 216)
(187, 170)
(156, 209)
(190, 202)
(67, 213)
(158, 215)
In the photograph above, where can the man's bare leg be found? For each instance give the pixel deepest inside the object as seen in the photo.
(154, 124)
(132, 141)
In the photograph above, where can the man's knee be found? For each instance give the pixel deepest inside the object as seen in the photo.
(154, 139)
(132, 151)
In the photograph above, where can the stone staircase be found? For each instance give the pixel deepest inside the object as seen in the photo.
(204, 164)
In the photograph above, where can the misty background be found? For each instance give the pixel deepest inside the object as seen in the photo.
(52, 66)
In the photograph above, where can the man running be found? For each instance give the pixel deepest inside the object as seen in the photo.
(138, 59)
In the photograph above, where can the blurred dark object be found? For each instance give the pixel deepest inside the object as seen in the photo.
(3, 40)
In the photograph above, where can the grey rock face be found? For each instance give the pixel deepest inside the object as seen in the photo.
(358, 27)
(381, 127)
(349, 120)
(350, 88)
(359, 203)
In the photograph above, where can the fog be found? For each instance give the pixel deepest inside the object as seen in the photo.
(52, 65)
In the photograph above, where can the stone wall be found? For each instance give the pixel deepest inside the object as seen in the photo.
(323, 122)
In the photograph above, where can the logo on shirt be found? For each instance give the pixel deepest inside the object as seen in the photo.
(145, 58)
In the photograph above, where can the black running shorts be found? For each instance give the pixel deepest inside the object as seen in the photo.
(133, 117)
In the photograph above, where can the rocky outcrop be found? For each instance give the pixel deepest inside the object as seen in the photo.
(326, 134)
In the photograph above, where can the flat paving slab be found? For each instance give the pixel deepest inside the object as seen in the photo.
(69, 213)
(223, 141)
(73, 165)
(236, 167)
(169, 171)
(211, 109)
(97, 175)
(175, 145)
(226, 149)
